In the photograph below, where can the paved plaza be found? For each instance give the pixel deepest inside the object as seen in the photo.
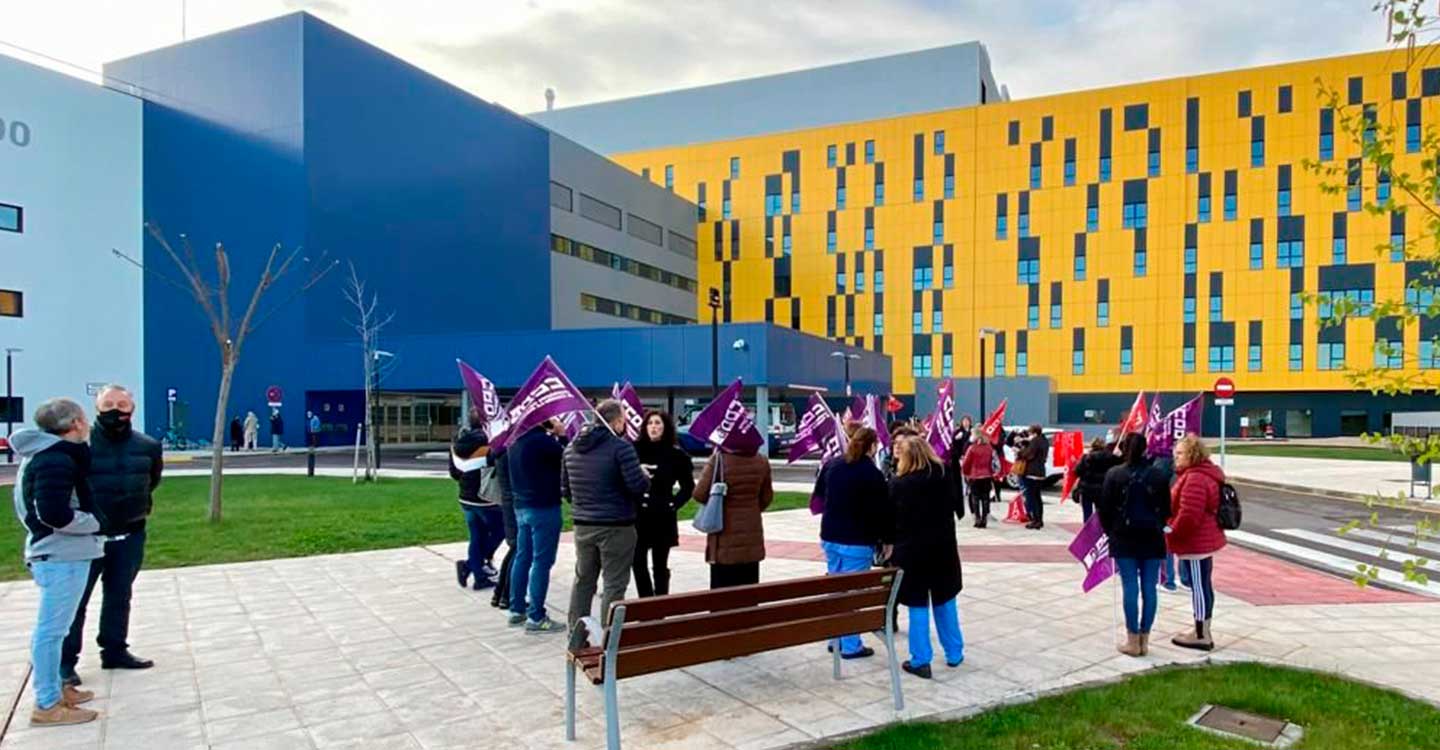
(381, 650)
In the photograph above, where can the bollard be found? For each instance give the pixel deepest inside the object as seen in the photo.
(310, 462)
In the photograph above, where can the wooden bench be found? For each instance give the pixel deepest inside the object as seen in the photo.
(680, 630)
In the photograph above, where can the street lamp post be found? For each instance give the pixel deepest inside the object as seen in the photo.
(983, 333)
(846, 357)
(714, 342)
(10, 403)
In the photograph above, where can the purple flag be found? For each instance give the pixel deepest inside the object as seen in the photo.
(1177, 424)
(546, 394)
(634, 410)
(573, 421)
(726, 424)
(483, 397)
(1092, 548)
(868, 411)
(940, 426)
(819, 430)
(1152, 425)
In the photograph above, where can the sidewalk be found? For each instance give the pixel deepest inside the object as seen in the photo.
(1323, 476)
(381, 650)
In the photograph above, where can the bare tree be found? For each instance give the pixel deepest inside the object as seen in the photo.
(229, 334)
(368, 323)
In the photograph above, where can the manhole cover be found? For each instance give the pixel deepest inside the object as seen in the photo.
(1240, 724)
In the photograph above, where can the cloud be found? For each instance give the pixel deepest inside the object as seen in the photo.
(325, 7)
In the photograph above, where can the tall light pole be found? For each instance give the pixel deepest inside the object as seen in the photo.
(983, 333)
(10, 352)
(846, 357)
(714, 342)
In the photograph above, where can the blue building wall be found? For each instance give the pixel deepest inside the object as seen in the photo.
(291, 132)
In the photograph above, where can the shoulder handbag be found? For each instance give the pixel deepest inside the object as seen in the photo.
(711, 517)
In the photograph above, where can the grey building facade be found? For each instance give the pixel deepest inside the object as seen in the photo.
(956, 75)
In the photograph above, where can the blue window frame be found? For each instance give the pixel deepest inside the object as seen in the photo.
(879, 281)
(1222, 359)
(999, 363)
(700, 210)
(1134, 215)
(1331, 355)
(949, 186)
(877, 323)
(840, 278)
(1034, 176)
(1055, 315)
(869, 238)
(1282, 202)
(1257, 256)
(1032, 317)
(1077, 362)
(1127, 361)
(734, 167)
(869, 152)
(1412, 138)
(773, 205)
(1389, 355)
(1104, 169)
(1290, 254)
(1187, 359)
(947, 276)
(939, 140)
(1382, 186)
(830, 242)
(859, 281)
(670, 176)
(1297, 357)
(1217, 307)
(1202, 209)
(1153, 162)
(1429, 355)
(1092, 218)
(1069, 172)
(1327, 146)
(1191, 261)
(937, 233)
(1297, 306)
(795, 202)
(1079, 268)
(1397, 247)
(830, 155)
(879, 194)
(1027, 271)
(919, 194)
(917, 322)
(937, 320)
(920, 365)
(725, 208)
(786, 244)
(1338, 253)
(1141, 263)
(947, 365)
(840, 197)
(1002, 224)
(1255, 361)
(1022, 363)
(1102, 314)
(1230, 206)
(921, 278)
(1257, 153)
(1189, 309)
(1023, 224)
(1192, 160)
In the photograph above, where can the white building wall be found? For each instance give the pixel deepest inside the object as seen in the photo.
(78, 178)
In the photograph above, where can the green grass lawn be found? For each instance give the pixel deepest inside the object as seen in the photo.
(1148, 712)
(1359, 453)
(268, 517)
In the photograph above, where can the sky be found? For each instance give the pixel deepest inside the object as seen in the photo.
(509, 51)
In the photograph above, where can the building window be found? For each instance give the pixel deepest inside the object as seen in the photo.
(939, 142)
(1192, 160)
(947, 364)
(12, 304)
(1257, 256)
(1350, 301)
(1055, 315)
(869, 238)
(1282, 202)
(1202, 209)
(1077, 362)
(567, 246)
(1002, 223)
(785, 244)
(869, 152)
(1397, 247)
(999, 363)
(949, 186)
(1353, 186)
(920, 365)
(1027, 271)
(922, 278)
(1022, 363)
(1022, 223)
(840, 277)
(937, 233)
(937, 320)
(1092, 218)
(1297, 306)
(879, 281)
(1034, 176)
(1429, 356)
(1412, 138)
(840, 197)
(948, 276)
(1127, 361)
(1032, 317)
(1102, 313)
(1297, 357)
(1104, 169)
(603, 306)
(1382, 186)
(1222, 359)
(1217, 307)
(1389, 355)
(725, 208)
(1069, 172)
(700, 210)
(1254, 363)
(12, 218)
(734, 167)
(1141, 263)
(830, 242)
(917, 322)
(859, 281)
(1338, 254)
(830, 153)
(1134, 215)
(1187, 359)
(1190, 259)
(878, 322)
(773, 204)
(561, 197)
(1419, 300)
(1291, 253)
(879, 193)
(1257, 151)
(1230, 206)
(670, 176)
(919, 192)
(1367, 114)
(1331, 355)
(1327, 146)
(1079, 267)
(795, 202)
(1189, 309)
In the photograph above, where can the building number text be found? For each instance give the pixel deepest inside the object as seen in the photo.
(14, 132)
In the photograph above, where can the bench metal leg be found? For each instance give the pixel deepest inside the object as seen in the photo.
(835, 652)
(890, 626)
(569, 700)
(612, 716)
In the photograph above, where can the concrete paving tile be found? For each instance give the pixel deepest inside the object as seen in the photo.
(255, 726)
(377, 727)
(295, 739)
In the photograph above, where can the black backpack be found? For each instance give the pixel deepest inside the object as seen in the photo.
(1139, 510)
(1228, 515)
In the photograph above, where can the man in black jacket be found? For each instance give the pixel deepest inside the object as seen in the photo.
(472, 470)
(603, 480)
(125, 468)
(533, 464)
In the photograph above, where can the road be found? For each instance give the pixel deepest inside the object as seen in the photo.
(1295, 526)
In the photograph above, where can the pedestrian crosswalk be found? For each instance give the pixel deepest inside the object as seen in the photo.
(1388, 549)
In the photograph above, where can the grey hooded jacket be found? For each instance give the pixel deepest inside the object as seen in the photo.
(52, 499)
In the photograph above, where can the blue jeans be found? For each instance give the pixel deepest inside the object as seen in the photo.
(61, 586)
(947, 626)
(847, 558)
(537, 537)
(1137, 580)
(486, 531)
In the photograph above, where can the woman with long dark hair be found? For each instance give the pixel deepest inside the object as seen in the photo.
(926, 506)
(672, 479)
(857, 517)
(1134, 503)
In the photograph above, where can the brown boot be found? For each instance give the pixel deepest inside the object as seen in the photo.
(60, 715)
(74, 696)
(1132, 645)
(1199, 640)
(1144, 644)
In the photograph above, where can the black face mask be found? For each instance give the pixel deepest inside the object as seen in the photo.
(115, 423)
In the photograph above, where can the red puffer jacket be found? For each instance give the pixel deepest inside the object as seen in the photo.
(1194, 501)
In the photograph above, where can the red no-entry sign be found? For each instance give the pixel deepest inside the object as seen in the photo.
(1224, 388)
